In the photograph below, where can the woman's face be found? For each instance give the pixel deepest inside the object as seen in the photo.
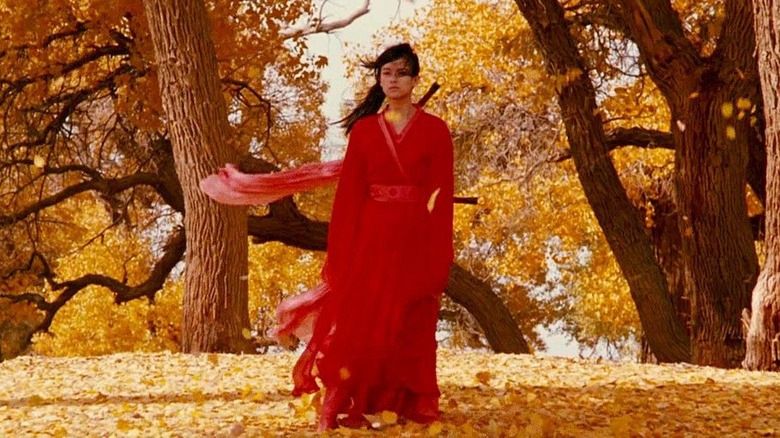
(396, 79)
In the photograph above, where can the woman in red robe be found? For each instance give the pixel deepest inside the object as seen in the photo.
(371, 324)
(389, 253)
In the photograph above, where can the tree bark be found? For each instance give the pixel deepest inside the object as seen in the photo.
(500, 329)
(711, 161)
(216, 298)
(622, 225)
(667, 247)
(763, 337)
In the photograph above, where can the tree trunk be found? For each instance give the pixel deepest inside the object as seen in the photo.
(667, 247)
(711, 177)
(712, 140)
(763, 338)
(718, 250)
(500, 329)
(215, 299)
(622, 225)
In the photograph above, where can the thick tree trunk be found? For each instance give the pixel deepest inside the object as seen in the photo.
(711, 175)
(667, 247)
(718, 250)
(712, 154)
(623, 227)
(215, 299)
(763, 338)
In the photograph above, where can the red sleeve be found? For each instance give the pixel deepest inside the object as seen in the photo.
(351, 192)
(442, 252)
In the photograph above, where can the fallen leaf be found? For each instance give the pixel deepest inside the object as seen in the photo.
(435, 428)
(432, 200)
(389, 417)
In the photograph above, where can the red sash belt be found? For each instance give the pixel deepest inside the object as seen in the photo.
(384, 193)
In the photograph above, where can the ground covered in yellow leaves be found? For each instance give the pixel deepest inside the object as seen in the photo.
(176, 395)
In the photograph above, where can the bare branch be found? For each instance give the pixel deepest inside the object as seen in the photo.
(107, 187)
(49, 170)
(319, 26)
(620, 137)
(241, 86)
(80, 28)
(95, 55)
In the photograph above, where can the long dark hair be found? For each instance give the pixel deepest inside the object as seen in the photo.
(375, 96)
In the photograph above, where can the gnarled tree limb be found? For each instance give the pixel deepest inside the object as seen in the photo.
(317, 25)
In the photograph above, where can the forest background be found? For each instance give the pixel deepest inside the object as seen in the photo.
(652, 252)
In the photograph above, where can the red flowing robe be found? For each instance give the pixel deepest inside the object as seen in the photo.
(373, 320)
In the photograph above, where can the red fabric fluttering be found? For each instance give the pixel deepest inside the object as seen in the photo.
(233, 187)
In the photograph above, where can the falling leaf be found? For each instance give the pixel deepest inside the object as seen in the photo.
(731, 132)
(432, 200)
(693, 95)
(344, 373)
(727, 109)
(246, 333)
(744, 103)
(680, 125)
(389, 417)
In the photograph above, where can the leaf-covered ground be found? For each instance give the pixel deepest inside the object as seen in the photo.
(175, 395)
